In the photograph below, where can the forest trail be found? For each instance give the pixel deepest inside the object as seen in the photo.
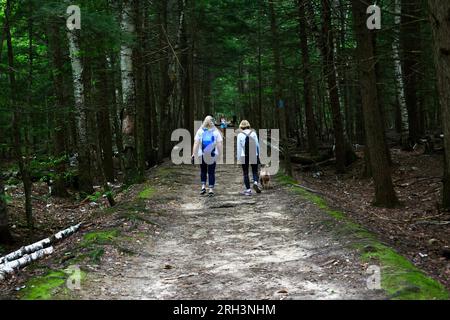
(269, 246)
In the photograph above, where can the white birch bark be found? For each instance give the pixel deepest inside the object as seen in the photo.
(127, 76)
(77, 74)
(399, 84)
(39, 245)
(11, 267)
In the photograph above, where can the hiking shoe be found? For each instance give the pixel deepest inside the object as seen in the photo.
(257, 188)
(203, 192)
(247, 193)
(211, 194)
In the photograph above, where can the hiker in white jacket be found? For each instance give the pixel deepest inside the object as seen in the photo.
(248, 155)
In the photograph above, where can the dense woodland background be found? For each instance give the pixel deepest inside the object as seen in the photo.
(87, 107)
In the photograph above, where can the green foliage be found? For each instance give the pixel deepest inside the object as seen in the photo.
(401, 279)
(49, 286)
(5, 198)
(96, 254)
(99, 237)
(44, 287)
(44, 168)
(94, 242)
(95, 197)
(147, 193)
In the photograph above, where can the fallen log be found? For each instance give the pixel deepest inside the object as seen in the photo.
(307, 160)
(39, 245)
(11, 267)
(316, 166)
(308, 189)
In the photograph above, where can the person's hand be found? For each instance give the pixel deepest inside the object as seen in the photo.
(193, 159)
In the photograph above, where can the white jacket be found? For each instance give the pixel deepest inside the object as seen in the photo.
(218, 138)
(241, 143)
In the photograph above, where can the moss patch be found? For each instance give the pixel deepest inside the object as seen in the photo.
(48, 286)
(147, 193)
(99, 237)
(165, 172)
(96, 254)
(136, 217)
(400, 279)
(43, 288)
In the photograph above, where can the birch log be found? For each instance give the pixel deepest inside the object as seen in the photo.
(10, 267)
(38, 246)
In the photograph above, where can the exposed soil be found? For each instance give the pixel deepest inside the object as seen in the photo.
(418, 229)
(165, 241)
(270, 246)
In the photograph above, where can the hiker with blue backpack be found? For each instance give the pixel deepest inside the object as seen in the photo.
(207, 145)
(248, 156)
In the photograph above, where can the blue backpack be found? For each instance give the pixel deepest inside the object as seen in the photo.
(208, 142)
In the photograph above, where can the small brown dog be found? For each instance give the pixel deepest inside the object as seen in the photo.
(264, 178)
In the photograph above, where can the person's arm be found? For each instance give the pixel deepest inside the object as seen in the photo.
(239, 147)
(195, 148)
(196, 145)
(219, 144)
(255, 136)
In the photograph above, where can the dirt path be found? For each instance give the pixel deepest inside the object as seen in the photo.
(269, 246)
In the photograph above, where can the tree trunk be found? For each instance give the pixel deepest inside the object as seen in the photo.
(47, 242)
(150, 99)
(384, 191)
(9, 268)
(409, 38)
(440, 21)
(16, 125)
(115, 107)
(185, 72)
(104, 122)
(59, 188)
(344, 63)
(279, 89)
(140, 88)
(307, 82)
(399, 84)
(128, 96)
(260, 86)
(5, 235)
(84, 167)
(330, 72)
(166, 83)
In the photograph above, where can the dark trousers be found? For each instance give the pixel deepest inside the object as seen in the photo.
(245, 169)
(208, 172)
